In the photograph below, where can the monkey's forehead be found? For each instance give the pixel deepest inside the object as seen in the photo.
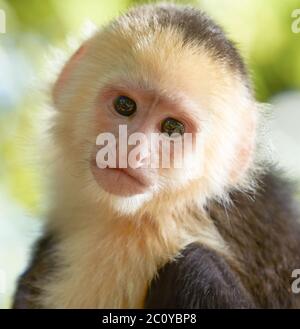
(194, 27)
(158, 63)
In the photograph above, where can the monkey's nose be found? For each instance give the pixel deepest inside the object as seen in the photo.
(136, 156)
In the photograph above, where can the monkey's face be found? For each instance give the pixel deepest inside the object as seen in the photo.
(120, 93)
(141, 138)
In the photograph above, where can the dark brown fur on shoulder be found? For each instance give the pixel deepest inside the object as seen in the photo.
(41, 266)
(264, 234)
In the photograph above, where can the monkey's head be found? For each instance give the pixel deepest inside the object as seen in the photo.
(157, 69)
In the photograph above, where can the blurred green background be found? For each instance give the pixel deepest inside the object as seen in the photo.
(261, 29)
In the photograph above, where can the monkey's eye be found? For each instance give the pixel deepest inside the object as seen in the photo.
(172, 126)
(125, 106)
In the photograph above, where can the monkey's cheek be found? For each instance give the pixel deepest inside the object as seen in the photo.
(115, 181)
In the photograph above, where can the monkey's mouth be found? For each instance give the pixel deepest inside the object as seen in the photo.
(121, 181)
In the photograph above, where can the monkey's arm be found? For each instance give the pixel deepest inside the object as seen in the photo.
(41, 265)
(199, 279)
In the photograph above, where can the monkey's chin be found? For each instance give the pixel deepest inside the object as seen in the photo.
(119, 182)
(127, 206)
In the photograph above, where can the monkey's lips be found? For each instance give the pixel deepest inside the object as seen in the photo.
(122, 181)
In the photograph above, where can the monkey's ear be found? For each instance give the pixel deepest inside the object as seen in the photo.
(66, 72)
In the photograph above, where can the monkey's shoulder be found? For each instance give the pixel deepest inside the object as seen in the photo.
(41, 265)
(263, 232)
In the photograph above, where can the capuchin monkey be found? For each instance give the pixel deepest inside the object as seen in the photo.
(222, 233)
